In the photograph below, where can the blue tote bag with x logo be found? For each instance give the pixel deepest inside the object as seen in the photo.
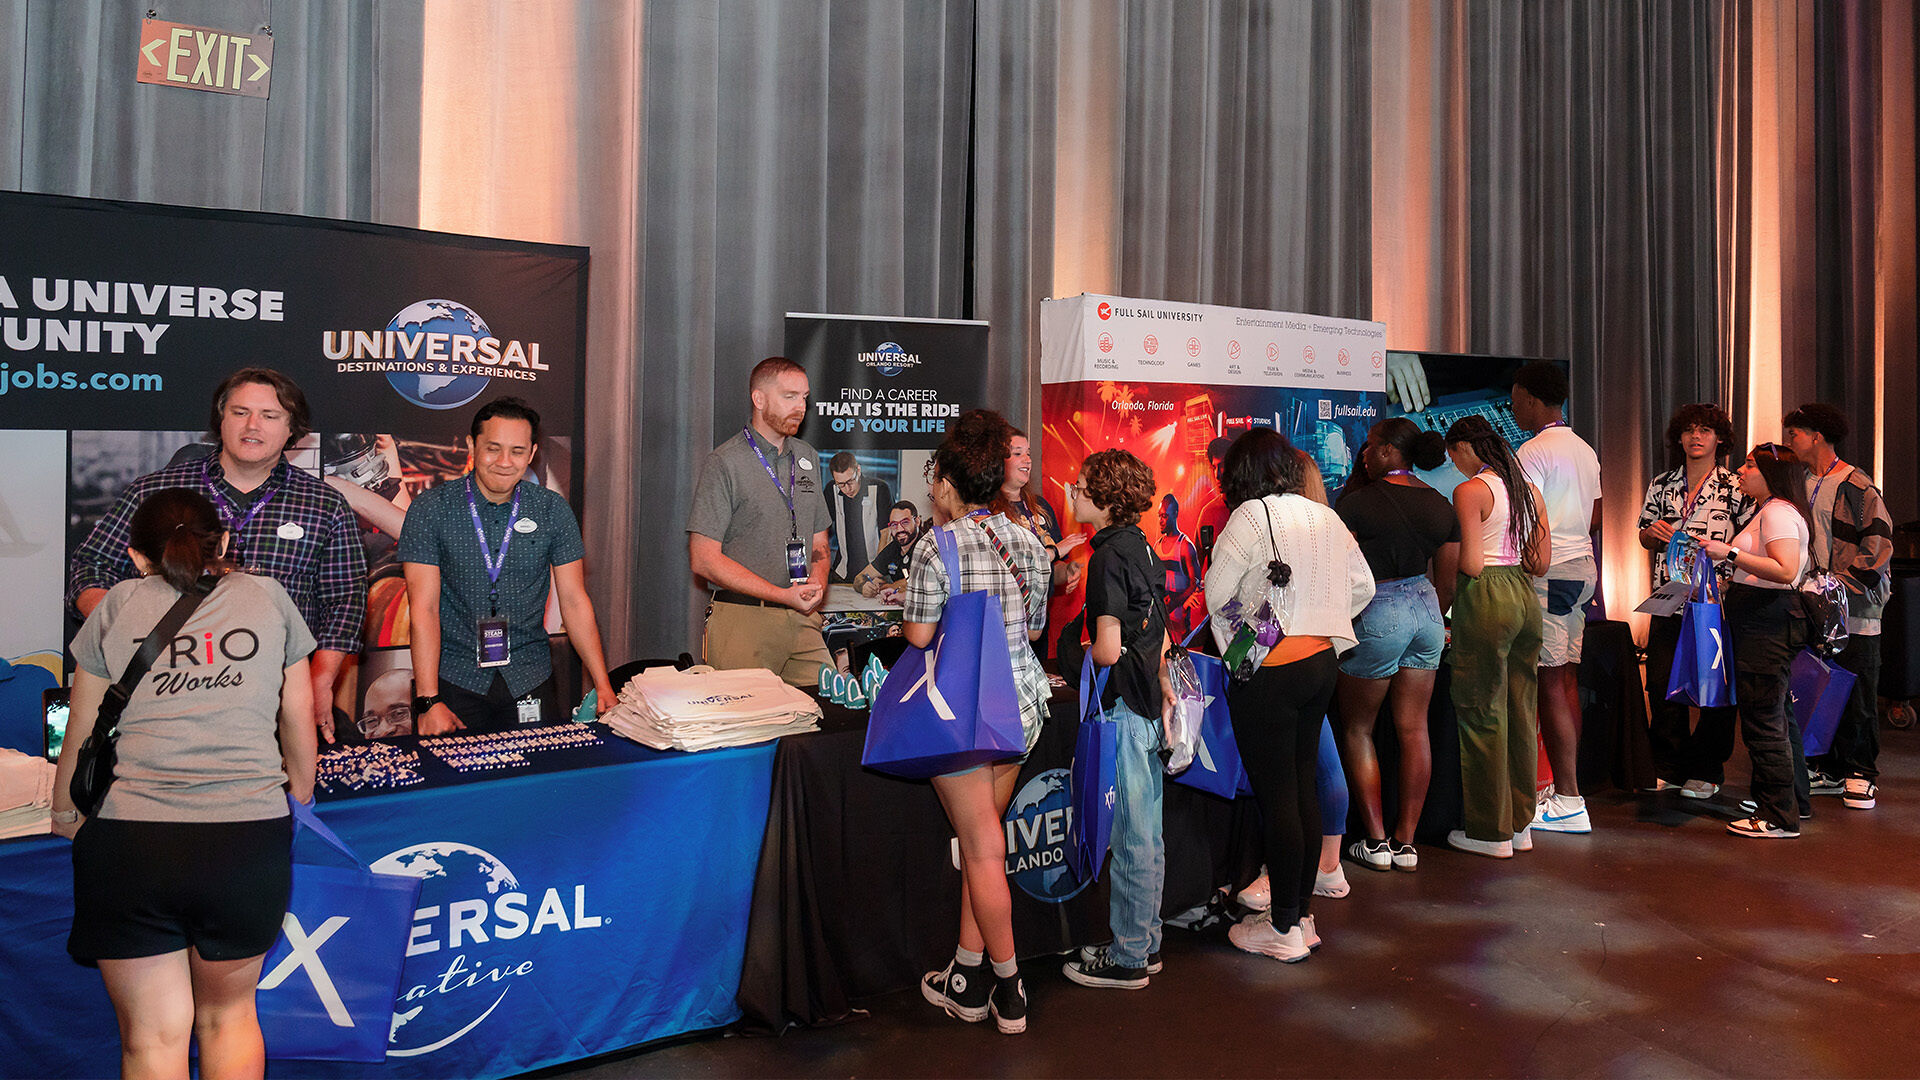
(328, 986)
(953, 704)
(1703, 659)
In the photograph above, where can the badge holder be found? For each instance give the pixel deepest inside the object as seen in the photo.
(797, 573)
(492, 637)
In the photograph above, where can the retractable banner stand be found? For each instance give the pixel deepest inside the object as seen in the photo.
(118, 320)
(885, 394)
(1169, 381)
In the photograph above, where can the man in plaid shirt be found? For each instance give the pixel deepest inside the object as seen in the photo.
(287, 524)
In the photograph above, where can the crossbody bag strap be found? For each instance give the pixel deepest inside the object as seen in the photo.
(1026, 595)
(117, 695)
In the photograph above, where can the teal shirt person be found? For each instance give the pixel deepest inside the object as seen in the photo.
(439, 532)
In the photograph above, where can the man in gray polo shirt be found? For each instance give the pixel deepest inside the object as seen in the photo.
(758, 535)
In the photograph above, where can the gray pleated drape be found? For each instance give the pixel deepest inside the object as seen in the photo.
(1564, 179)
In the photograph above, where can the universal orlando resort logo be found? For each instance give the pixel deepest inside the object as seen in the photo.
(888, 359)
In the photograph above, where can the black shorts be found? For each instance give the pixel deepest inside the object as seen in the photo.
(148, 888)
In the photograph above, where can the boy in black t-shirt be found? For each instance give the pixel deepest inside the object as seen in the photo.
(1127, 626)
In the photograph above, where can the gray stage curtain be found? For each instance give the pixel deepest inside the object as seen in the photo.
(1573, 145)
(334, 134)
(799, 157)
(1244, 154)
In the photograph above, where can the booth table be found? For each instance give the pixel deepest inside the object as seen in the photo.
(858, 892)
(635, 867)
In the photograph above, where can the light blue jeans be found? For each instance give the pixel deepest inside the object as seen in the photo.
(1139, 867)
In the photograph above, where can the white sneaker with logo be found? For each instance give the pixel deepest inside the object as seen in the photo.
(1861, 793)
(1563, 813)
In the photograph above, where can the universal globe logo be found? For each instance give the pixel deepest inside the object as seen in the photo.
(477, 924)
(889, 359)
(438, 354)
(1037, 823)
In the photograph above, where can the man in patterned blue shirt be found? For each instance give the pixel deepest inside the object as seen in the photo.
(286, 524)
(479, 553)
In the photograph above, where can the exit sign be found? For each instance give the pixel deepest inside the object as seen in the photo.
(201, 58)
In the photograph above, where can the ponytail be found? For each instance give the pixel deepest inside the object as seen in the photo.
(1492, 450)
(178, 531)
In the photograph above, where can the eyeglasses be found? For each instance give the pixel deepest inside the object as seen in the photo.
(1074, 488)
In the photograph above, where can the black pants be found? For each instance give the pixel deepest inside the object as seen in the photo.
(1276, 722)
(1682, 750)
(497, 709)
(1768, 627)
(1856, 742)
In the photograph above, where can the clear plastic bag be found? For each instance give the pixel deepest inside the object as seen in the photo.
(1824, 596)
(1189, 705)
(1263, 628)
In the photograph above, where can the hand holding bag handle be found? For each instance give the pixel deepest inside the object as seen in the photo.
(94, 764)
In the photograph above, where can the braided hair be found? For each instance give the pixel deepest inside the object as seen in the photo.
(1492, 450)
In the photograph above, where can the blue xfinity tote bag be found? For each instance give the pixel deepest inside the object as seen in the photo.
(1216, 767)
(1819, 691)
(1094, 778)
(1703, 659)
(953, 704)
(328, 986)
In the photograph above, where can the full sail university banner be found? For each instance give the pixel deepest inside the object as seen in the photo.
(885, 393)
(117, 320)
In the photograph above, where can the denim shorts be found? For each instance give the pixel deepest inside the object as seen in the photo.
(1400, 628)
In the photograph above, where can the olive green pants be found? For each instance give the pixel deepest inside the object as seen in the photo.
(1495, 658)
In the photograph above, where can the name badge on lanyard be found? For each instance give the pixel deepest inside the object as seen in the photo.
(491, 631)
(797, 568)
(236, 523)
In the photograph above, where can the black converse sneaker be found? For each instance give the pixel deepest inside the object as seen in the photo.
(962, 991)
(1009, 1005)
(1095, 967)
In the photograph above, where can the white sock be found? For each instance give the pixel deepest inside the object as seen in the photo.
(967, 958)
(1006, 969)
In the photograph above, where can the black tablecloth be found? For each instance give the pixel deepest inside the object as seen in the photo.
(856, 892)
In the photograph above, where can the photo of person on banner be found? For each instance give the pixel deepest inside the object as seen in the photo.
(854, 507)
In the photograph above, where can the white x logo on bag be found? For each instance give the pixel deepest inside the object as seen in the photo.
(1719, 651)
(934, 697)
(306, 954)
(1204, 756)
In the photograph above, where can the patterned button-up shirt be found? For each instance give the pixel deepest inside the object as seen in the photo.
(982, 570)
(305, 537)
(1720, 511)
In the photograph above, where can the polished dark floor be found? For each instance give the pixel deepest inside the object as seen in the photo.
(1657, 946)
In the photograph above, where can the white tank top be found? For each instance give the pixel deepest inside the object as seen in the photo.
(1495, 545)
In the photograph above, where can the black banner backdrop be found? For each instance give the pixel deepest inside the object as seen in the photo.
(117, 320)
(885, 393)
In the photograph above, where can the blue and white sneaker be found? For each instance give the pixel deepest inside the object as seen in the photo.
(1563, 813)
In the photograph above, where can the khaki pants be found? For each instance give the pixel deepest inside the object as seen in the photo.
(779, 639)
(1496, 652)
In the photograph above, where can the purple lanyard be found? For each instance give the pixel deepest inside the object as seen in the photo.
(494, 567)
(793, 516)
(1398, 472)
(227, 513)
(1553, 424)
(1820, 483)
(1688, 500)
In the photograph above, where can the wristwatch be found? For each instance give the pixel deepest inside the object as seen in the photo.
(422, 704)
(1733, 553)
(66, 817)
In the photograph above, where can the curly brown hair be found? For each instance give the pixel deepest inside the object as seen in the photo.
(1119, 483)
(973, 458)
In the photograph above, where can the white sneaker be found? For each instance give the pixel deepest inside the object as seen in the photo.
(1310, 932)
(1699, 789)
(1257, 896)
(1563, 813)
(1502, 849)
(1332, 884)
(1523, 840)
(1255, 934)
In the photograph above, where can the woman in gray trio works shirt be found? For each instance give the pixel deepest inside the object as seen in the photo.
(180, 880)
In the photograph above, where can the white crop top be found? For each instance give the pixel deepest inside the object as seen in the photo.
(1495, 545)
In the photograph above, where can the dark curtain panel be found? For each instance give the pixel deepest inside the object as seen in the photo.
(1846, 106)
(798, 157)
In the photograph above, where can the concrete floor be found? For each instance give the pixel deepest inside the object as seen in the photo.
(1659, 945)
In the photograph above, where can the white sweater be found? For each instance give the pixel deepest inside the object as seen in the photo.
(1331, 582)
